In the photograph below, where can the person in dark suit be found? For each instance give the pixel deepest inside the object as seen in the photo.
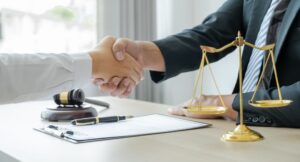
(261, 23)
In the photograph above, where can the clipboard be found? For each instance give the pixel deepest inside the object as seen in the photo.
(137, 126)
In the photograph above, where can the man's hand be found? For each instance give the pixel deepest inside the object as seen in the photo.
(147, 54)
(134, 48)
(207, 101)
(106, 67)
(118, 86)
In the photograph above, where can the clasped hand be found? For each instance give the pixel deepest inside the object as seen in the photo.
(108, 72)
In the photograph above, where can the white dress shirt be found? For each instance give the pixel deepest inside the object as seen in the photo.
(31, 76)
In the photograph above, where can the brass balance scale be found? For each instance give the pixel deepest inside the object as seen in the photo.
(241, 133)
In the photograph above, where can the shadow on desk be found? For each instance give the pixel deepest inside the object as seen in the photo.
(7, 158)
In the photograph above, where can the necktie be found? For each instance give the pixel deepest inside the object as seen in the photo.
(272, 35)
(257, 56)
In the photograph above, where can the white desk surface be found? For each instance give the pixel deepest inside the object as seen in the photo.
(19, 142)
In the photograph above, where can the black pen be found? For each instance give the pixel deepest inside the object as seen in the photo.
(96, 120)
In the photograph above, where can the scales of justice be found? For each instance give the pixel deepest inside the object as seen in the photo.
(241, 133)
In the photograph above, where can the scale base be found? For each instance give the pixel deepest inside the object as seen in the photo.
(242, 134)
(206, 110)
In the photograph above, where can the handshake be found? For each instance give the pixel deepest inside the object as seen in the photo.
(118, 66)
(114, 69)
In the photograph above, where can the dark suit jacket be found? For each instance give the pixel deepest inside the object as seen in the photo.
(181, 53)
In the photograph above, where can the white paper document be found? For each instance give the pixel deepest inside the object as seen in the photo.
(144, 125)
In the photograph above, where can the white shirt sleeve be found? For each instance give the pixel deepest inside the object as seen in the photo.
(31, 76)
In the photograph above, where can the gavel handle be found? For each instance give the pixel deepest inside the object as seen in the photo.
(97, 102)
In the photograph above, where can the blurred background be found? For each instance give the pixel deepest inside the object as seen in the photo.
(75, 26)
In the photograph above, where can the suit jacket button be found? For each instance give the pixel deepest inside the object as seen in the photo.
(249, 119)
(255, 119)
(262, 119)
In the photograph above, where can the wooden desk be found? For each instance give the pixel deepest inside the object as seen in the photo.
(19, 141)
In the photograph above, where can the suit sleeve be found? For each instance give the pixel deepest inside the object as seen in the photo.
(182, 52)
(276, 117)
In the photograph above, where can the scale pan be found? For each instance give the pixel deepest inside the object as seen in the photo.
(270, 103)
(206, 110)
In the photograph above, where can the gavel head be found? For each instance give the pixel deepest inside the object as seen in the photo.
(73, 97)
